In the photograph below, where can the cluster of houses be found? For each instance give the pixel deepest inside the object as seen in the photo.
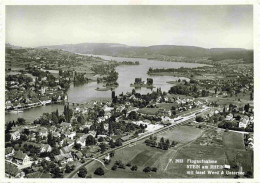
(243, 122)
(66, 136)
(18, 97)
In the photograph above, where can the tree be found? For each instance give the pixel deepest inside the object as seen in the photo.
(23, 137)
(82, 172)
(118, 142)
(173, 144)
(147, 169)
(57, 173)
(77, 146)
(134, 168)
(162, 140)
(99, 171)
(199, 119)
(50, 140)
(154, 169)
(101, 139)
(80, 119)
(102, 147)
(246, 108)
(90, 140)
(251, 96)
(114, 167)
(112, 144)
(67, 169)
(85, 130)
(133, 115)
(112, 154)
(121, 165)
(55, 151)
(21, 121)
(7, 137)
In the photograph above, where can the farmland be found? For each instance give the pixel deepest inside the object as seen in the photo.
(193, 143)
(141, 155)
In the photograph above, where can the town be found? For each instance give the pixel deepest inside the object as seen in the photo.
(84, 139)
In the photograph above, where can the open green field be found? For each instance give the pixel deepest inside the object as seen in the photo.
(181, 134)
(150, 111)
(235, 151)
(222, 147)
(166, 106)
(233, 140)
(196, 152)
(141, 155)
(244, 99)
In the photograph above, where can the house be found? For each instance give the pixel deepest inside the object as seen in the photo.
(56, 134)
(45, 148)
(12, 171)
(243, 122)
(21, 158)
(43, 132)
(65, 125)
(92, 133)
(15, 135)
(229, 117)
(66, 142)
(78, 155)
(125, 138)
(9, 151)
(33, 102)
(81, 141)
(52, 129)
(93, 149)
(70, 135)
(60, 158)
(166, 120)
(63, 158)
(65, 150)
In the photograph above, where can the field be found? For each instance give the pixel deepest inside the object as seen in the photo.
(235, 151)
(181, 134)
(233, 140)
(150, 111)
(193, 143)
(244, 99)
(142, 155)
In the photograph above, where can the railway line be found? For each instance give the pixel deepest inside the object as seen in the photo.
(179, 122)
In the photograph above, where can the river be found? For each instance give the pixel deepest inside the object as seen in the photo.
(126, 76)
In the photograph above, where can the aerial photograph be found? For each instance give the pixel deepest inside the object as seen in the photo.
(129, 91)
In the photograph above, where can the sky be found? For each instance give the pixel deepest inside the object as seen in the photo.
(212, 26)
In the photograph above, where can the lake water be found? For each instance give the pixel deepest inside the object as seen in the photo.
(127, 75)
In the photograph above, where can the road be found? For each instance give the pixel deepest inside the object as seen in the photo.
(181, 121)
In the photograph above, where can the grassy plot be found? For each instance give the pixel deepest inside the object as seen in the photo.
(150, 111)
(233, 140)
(196, 152)
(223, 147)
(181, 134)
(244, 99)
(236, 153)
(143, 156)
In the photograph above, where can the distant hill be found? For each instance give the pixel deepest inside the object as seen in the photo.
(115, 49)
(7, 45)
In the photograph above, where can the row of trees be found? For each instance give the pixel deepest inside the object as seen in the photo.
(83, 172)
(162, 144)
